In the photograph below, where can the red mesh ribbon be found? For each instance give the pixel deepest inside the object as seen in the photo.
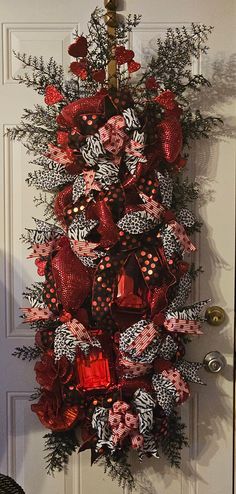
(112, 134)
(63, 199)
(107, 228)
(53, 414)
(84, 106)
(183, 326)
(171, 138)
(72, 278)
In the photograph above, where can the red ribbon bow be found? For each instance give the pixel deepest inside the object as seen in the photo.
(124, 423)
(112, 134)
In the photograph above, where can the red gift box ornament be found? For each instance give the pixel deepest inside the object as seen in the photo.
(93, 371)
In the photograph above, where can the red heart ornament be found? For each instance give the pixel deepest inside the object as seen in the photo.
(79, 69)
(99, 75)
(166, 100)
(41, 266)
(52, 95)
(133, 66)
(79, 48)
(123, 56)
(171, 138)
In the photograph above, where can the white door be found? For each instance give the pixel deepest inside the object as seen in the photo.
(44, 28)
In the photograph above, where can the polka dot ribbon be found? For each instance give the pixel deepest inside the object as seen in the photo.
(180, 385)
(186, 326)
(180, 233)
(89, 180)
(112, 134)
(59, 155)
(42, 250)
(124, 423)
(143, 339)
(79, 331)
(83, 248)
(36, 313)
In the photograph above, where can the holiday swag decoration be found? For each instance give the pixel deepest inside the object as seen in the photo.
(111, 313)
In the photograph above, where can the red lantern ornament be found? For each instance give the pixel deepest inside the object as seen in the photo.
(93, 371)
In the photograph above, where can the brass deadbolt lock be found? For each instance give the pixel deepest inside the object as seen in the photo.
(215, 315)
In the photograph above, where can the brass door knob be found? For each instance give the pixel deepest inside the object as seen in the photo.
(215, 315)
(214, 362)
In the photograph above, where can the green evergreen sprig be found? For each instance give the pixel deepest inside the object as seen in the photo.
(27, 352)
(174, 439)
(42, 73)
(172, 64)
(59, 446)
(119, 469)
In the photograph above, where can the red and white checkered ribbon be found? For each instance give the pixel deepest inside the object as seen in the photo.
(59, 155)
(36, 314)
(79, 331)
(124, 423)
(135, 369)
(83, 248)
(186, 326)
(134, 148)
(151, 206)
(112, 134)
(143, 339)
(180, 385)
(181, 235)
(42, 250)
(90, 183)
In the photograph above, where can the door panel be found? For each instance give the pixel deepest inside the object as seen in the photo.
(45, 28)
